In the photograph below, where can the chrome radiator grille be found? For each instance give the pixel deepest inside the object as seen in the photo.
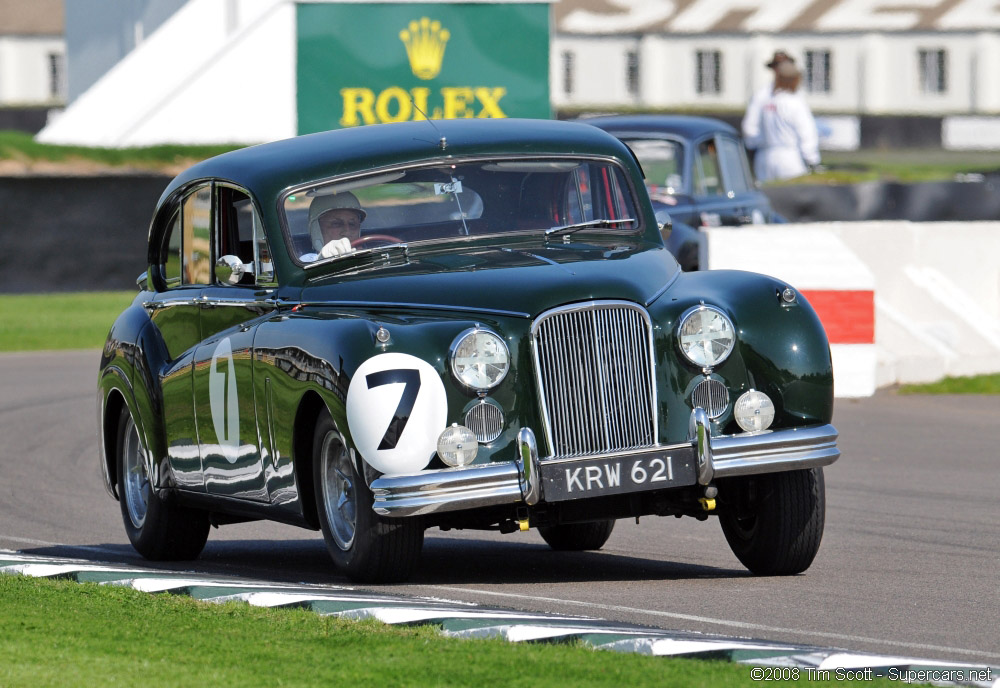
(594, 370)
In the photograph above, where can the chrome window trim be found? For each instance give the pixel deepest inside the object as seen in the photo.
(590, 306)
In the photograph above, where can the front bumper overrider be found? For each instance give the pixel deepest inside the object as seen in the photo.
(493, 484)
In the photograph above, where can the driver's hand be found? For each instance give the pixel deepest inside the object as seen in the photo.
(337, 247)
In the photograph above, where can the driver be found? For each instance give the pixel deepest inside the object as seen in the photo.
(334, 223)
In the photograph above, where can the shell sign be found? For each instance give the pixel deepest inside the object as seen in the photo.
(362, 63)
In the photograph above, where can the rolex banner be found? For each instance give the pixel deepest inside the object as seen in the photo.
(361, 63)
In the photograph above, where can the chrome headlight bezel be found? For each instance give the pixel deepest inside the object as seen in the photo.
(456, 366)
(700, 311)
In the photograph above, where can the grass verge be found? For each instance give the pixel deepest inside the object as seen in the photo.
(62, 633)
(78, 320)
(21, 147)
(978, 384)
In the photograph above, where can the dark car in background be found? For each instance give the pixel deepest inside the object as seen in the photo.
(697, 175)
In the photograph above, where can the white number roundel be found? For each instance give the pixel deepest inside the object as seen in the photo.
(396, 409)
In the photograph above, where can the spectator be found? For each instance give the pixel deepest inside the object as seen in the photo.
(780, 127)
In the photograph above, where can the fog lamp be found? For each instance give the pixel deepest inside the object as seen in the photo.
(754, 411)
(457, 446)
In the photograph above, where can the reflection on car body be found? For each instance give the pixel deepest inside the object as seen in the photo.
(506, 344)
(697, 175)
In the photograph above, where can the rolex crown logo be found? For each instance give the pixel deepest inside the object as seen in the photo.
(425, 41)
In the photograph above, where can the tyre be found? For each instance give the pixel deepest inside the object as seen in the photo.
(576, 537)
(158, 530)
(365, 546)
(774, 522)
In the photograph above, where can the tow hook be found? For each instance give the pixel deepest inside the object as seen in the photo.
(708, 501)
(521, 518)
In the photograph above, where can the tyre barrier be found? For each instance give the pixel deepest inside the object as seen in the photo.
(469, 620)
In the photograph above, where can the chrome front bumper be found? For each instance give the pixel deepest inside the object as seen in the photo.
(519, 482)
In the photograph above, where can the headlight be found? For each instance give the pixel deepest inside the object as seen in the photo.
(754, 411)
(706, 336)
(479, 359)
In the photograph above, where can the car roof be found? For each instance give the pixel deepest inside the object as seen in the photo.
(687, 126)
(269, 168)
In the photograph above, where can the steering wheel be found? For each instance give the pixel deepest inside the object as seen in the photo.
(361, 242)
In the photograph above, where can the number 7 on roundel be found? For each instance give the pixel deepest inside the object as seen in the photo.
(410, 379)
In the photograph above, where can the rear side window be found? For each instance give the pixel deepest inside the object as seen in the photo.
(186, 257)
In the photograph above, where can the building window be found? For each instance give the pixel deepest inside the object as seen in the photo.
(933, 71)
(817, 74)
(567, 72)
(57, 76)
(632, 72)
(709, 71)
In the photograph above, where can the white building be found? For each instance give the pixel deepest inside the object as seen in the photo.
(177, 59)
(857, 56)
(32, 53)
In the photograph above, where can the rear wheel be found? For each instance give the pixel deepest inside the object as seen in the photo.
(157, 530)
(774, 522)
(367, 547)
(576, 537)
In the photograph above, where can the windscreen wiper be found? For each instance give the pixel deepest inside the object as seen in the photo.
(569, 229)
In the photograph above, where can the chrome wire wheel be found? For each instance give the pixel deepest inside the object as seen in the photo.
(137, 487)
(340, 498)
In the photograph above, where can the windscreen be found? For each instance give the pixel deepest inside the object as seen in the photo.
(448, 202)
(663, 164)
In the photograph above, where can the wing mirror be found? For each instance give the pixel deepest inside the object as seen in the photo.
(142, 281)
(230, 269)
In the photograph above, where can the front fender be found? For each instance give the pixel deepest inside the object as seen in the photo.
(782, 349)
(319, 351)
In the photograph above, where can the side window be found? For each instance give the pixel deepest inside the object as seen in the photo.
(172, 257)
(186, 256)
(241, 234)
(706, 170)
(196, 244)
(263, 265)
(732, 157)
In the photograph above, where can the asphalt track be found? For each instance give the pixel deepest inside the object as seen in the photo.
(909, 566)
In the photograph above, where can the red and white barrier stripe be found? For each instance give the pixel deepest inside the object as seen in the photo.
(832, 278)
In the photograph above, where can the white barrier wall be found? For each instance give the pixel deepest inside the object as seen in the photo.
(934, 292)
(937, 306)
(838, 285)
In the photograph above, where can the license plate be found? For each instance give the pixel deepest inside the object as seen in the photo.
(651, 470)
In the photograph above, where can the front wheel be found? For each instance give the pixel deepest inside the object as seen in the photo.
(577, 537)
(367, 547)
(158, 530)
(774, 522)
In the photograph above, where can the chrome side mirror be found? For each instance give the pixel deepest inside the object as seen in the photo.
(142, 281)
(229, 269)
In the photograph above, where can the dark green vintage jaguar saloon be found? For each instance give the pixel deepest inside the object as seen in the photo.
(468, 324)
